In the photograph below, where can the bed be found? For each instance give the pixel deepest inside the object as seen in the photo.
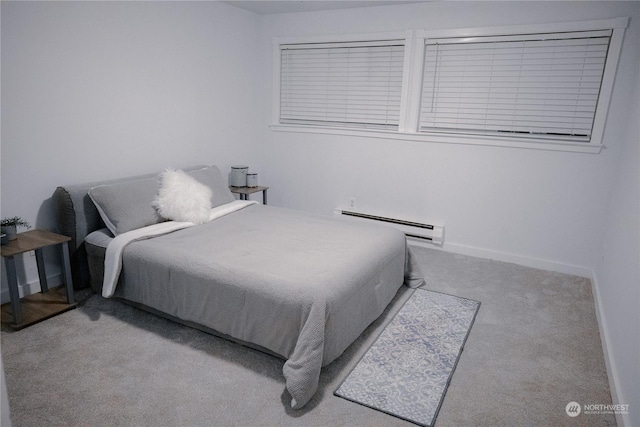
(298, 285)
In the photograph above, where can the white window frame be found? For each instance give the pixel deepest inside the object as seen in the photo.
(412, 85)
(277, 42)
(355, 84)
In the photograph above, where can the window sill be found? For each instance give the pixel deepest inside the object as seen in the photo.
(525, 143)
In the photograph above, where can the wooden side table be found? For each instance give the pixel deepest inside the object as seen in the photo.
(245, 191)
(50, 305)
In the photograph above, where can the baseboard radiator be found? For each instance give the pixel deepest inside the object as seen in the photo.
(415, 230)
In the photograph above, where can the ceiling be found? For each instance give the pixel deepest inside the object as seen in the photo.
(268, 7)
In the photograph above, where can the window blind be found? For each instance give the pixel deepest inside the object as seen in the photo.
(541, 85)
(342, 84)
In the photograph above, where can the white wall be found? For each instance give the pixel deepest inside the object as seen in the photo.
(95, 90)
(539, 208)
(618, 269)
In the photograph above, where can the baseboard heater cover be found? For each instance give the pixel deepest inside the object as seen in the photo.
(416, 230)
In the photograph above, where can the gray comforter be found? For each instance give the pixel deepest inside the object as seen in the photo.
(300, 285)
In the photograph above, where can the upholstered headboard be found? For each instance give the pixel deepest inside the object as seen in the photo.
(77, 216)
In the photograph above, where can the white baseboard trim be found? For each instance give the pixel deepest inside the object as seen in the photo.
(612, 371)
(32, 287)
(542, 264)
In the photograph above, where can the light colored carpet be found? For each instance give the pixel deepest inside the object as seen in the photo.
(534, 347)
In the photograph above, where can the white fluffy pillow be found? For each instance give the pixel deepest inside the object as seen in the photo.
(182, 198)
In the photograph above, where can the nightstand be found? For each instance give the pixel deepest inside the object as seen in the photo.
(46, 304)
(245, 191)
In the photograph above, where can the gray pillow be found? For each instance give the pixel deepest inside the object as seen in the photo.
(212, 178)
(126, 206)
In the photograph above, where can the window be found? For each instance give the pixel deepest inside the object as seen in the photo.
(342, 84)
(541, 85)
(536, 86)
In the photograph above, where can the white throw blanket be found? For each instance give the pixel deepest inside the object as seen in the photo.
(113, 256)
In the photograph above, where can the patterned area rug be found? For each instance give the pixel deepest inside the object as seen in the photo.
(406, 371)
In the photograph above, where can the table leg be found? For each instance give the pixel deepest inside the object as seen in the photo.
(44, 286)
(264, 197)
(12, 280)
(66, 271)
